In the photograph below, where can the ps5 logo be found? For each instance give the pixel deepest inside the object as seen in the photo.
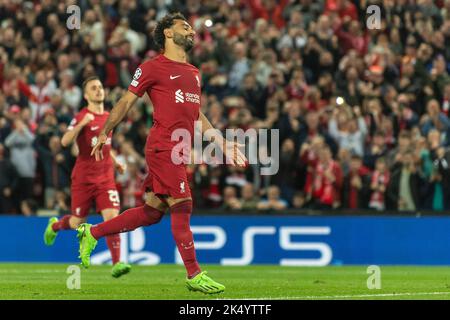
(214, 239)
(249, 236)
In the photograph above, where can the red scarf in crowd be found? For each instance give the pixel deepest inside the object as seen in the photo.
(325, 190)
(377, 197)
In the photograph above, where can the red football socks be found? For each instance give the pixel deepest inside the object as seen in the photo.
(113, 242)
(62, 224)
(127, 221)
(180, 215)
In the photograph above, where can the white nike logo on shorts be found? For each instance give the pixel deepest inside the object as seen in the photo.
(174, 77)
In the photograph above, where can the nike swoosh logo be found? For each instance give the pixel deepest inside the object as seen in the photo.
(174, 77)
(94, 128)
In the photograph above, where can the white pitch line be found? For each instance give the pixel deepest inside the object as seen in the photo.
(30, 271)
(352, 296)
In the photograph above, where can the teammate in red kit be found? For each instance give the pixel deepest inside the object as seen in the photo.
(174, 87)
(91, 180)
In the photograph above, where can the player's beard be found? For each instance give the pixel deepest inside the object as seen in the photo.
(183, 41)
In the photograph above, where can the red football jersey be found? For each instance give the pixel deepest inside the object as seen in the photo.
(175, 91)
(87, 169)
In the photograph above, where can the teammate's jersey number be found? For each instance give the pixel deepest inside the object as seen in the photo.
(114, 197)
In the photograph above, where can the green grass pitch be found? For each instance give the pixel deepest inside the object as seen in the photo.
(48, 281)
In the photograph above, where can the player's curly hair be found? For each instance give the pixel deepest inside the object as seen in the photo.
(164, 23)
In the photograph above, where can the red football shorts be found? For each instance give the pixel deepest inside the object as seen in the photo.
(104, 194)
(165, 177)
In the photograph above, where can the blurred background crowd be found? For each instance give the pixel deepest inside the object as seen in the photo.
(363, 114)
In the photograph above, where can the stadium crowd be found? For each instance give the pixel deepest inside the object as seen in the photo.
(363, 114)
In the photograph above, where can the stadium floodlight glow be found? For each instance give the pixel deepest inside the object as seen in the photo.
(208, 23)
(339, 101)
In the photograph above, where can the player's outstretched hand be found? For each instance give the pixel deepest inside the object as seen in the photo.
(233, 153)
(97, 150)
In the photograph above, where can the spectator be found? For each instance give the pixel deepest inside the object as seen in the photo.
(236, 177)
(214, 184)
(344, 9)
(349, 132)
(311, 129)
(438, 184)
(405, 118)
(326, 182)
(434, 161)
(273, 201)
(285, 178)
(8, 182)
(289, 123)
(254, 95)
(270, 10)
(92, 31)
(39, 94)
(356, 185)
(230, 200)
(439, 75)
(350, 87)
(404, 145)
(20, 144)
(249, 200)
(5, 129)
(216, 117)
(299, 200)
(71, 94)
(309, 158)
(375, 150)
(55, 162)
(351, 36)
(434, 118)
(445, 102)
(378, 185)
(404, 190)
(240, 66)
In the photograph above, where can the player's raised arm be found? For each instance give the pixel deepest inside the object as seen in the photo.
(117, 114)
(74, 130)
(229, 148)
